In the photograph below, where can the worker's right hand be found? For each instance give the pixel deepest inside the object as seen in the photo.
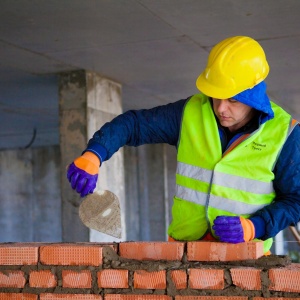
(83, 173)
(234, 229)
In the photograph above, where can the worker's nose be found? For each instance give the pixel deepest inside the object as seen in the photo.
(222, 106)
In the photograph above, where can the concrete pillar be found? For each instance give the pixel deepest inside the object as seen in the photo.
(104, 102)
(87, 101)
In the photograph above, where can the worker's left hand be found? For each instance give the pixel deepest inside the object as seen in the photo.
(233, 229)
(83, 173)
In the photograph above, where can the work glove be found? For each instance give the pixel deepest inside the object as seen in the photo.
(83, 173)
(233, 229)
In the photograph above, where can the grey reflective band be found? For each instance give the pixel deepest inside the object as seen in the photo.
(226, 180)
(191, 195)
(194, 172)
(216, 202)
(243, 184)
(233, 206)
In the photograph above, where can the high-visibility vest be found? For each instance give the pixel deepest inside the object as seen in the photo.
(211, 183)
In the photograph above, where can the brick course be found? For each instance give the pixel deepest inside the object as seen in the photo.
(179, 279)
(69, 255)
(210, 298)
(18, 296)
(18, 254)
(69, 297)
(76, 279)
(13, 279)
(215, 251)
(117, 279)
(145, 271)
(149, 280)
(246, 278)
(210, 279)
(285, 279)
(42, 279)
(152, 250)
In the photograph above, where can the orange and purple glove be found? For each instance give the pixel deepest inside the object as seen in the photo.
(234, 229)
(83, 173)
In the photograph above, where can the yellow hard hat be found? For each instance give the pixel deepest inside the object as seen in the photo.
(235, 64)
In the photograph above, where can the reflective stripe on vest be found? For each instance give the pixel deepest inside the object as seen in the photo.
(209, 184)
(217, 202)
(227, 180)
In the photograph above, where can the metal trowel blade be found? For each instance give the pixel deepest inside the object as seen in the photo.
(101, 211)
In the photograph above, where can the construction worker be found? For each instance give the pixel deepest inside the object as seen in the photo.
(238, 153)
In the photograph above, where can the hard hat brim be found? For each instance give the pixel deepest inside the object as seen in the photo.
(212, 91)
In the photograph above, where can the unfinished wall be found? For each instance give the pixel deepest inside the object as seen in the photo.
(145, 271)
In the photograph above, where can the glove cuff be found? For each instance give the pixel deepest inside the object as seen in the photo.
(92, 157)
(88, 162)
(248, 228)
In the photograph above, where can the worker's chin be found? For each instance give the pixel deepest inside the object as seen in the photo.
(226, 123)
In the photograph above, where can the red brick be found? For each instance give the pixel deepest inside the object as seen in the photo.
(246, 278)
(76, 279)
(275, 298)
(149, 280)
(217, 251)
(179, 279)
(17, 296)
(136, 297)
(13, 279)
(211, 279)
(71, 254)
(285, 279)
(18, 254)
(211, 298)
(109, 278)
(152, 250)
(42, 279)
(48, 296)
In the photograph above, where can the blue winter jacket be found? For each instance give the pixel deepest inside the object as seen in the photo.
(162, 125)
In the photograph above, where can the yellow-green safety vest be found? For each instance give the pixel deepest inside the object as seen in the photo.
(210, 183)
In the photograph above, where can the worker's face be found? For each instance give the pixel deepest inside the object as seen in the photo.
(232, 114)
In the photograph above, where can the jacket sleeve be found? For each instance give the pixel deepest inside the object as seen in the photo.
(160, 124)
(285, 209)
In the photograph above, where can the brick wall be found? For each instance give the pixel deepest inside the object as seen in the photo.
(145, 271)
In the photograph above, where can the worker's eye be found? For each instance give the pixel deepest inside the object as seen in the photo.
(232, 100)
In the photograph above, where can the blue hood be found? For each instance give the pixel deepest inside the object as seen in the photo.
(258, 99)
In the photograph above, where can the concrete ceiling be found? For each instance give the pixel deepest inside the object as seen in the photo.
(154, 48)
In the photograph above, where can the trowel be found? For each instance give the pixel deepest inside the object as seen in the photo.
(101, 211)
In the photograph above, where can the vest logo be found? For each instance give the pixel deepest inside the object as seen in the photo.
(258, 147)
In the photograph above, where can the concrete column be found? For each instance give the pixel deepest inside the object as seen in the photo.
(103, 104)
(87, 101)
